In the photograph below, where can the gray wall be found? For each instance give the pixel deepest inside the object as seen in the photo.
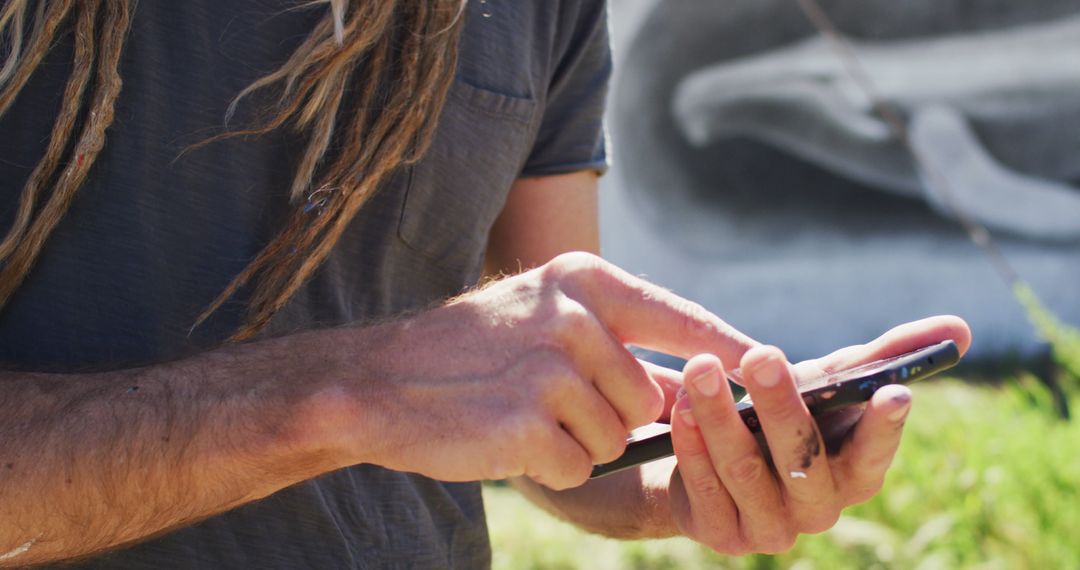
(780, 247)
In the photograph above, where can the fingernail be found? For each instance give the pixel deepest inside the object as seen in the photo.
(688, 417)
(708, 383)
(905, 406)
(681, 393)
(767, 374)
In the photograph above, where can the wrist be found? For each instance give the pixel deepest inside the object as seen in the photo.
(631, 505)
(656, 481)
(334, 419)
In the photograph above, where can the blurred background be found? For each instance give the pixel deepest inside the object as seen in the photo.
(753, 174)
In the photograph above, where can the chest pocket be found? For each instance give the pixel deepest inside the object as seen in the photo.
(458, 189)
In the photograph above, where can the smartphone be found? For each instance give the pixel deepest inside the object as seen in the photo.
(826, 393)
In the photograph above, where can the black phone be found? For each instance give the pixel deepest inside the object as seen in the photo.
(826, 393)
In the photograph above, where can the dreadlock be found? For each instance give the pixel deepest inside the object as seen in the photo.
(401, 55)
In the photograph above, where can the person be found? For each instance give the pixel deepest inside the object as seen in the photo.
(349, 383)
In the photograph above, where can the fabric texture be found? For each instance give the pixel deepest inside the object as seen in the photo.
(151, 239)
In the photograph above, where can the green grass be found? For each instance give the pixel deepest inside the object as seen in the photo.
(985, 478)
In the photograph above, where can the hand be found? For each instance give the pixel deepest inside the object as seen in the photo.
(736, 497)
(529, 375)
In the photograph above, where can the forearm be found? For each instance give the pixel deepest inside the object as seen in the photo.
(632, 504)
(92, 461)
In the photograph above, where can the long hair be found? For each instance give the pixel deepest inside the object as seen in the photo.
(401, 55)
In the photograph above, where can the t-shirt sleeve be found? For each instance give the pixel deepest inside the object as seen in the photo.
(571, 133)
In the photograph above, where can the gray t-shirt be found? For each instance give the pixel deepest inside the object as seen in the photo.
(151, 240)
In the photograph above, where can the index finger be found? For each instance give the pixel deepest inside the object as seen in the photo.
(898, 340)
(644, 314)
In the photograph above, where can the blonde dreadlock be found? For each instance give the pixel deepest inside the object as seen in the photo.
(401, 53)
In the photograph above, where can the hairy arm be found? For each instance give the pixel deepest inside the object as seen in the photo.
(522, 377)
(526, 376)
(92, 461)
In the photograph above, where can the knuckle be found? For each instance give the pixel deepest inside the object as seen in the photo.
(638, 412)
(696, 320)
(784, 543)
(641, 415)
(747, 469)
(655, 400)
(543, 475)
(738, 548)
(859, 482)
(504, 468)
(648, 403)
(526, 431)
(559, 394)
(640, 400)
(819, 522)
(706, 485)
(693, 454)
(554, 359)
(571, 474)
(580, 474)
(787, 413)
(728, 544)
(555, 482)
(570, 321)
(576, 265)
(713, 415)
(561, 467)
(553, 375)
(776, 541)
(558, 485)
(860, 493)
(876, 461)
(611, 449)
